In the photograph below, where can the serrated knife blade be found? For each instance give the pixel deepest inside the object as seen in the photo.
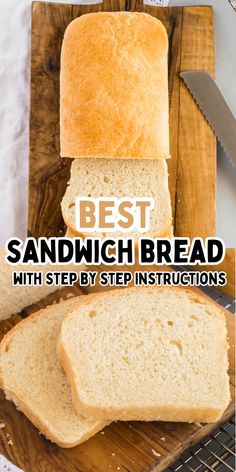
(214, 107)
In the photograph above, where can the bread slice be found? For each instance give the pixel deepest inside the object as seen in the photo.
(33, 379)
(156, 353)
(114, 87)
(121, 178)
(15, 298)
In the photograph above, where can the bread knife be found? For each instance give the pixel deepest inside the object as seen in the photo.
(214, 107)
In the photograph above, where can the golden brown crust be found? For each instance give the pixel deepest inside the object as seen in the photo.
(71, 233)
(114, 87)
(21, 403)
(43, 426)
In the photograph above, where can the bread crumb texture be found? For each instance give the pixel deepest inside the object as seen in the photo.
(121, 178)
(15, 298)
(33, 379)
(154, 353)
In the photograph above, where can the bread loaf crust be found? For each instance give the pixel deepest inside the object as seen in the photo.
(114, 87)
(16, 298)
(71, 233)
(14, 394)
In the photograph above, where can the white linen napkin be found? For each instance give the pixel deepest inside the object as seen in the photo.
(7, 466)
(161, 3)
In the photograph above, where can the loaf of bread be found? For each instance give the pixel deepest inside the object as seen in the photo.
(33, 379)
(15, 298)
(153, 353)
(121, 178)
(114, 87)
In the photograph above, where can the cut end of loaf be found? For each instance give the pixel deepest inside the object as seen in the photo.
(113, 178)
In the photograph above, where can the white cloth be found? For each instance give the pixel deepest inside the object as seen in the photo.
(161, 3)
(7, 466)
(14, 106)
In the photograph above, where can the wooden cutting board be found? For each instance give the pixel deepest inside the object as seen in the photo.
(136, 446)
(122, 446)
(192, 167)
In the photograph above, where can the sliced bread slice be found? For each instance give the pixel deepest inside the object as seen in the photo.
(155, 353)
(15, 298)
(121, 178)
(31, 376)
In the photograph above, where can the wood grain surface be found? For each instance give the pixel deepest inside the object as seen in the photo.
(229, 267)
(196, 173)
(124, 447)
(193, 164)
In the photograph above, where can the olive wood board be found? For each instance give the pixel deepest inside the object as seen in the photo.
(192, 167)
(122, 446)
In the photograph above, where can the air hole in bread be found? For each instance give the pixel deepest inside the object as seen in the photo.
(106, 179)
(190, 325)
(7, 347)
(158, 321)
(126, 360)
(194, 317)
(178, 345)
(209, 313)
(145, 322)
(170, 323)
(71, 205)
(196, 300)
(123, 329)
(92, 314)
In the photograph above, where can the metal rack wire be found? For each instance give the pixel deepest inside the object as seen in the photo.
(217, 451)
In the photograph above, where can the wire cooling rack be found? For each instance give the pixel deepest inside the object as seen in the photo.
(216, 453)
